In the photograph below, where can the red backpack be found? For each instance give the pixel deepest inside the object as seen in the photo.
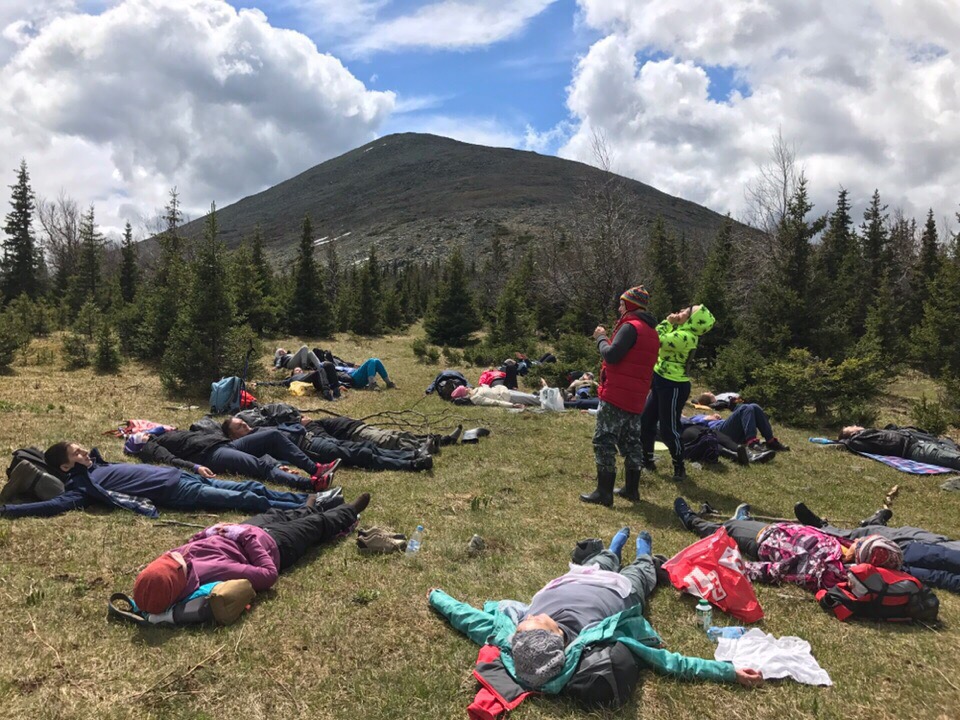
(880, 594)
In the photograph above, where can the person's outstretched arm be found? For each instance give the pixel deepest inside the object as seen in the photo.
(69, 500)
(475, 624)
(684, 667)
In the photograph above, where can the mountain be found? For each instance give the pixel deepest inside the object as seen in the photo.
(413, 195)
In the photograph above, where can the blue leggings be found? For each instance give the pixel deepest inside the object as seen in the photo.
(369, 369)
(744, 423)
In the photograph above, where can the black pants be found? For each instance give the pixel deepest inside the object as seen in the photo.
(664, 408)
(366, 455)
(743, 532)
(296, 531)
(691, 433)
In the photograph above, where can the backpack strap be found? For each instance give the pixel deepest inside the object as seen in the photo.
(128, 613)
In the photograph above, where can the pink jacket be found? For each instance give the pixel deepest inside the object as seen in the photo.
(244, 553)
(800, 555)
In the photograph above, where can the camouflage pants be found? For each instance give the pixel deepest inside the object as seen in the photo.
(617, 430)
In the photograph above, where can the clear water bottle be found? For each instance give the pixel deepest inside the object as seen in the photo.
(733, 632)
(704, 615)
(415, 541)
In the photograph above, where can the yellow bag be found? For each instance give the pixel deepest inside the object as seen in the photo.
(300, 388)
(229, 599)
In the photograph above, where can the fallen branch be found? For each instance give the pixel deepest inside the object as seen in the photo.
(40, 638)
(180, 524)
(167, 679)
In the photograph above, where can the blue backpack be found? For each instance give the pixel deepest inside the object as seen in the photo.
(225, 395)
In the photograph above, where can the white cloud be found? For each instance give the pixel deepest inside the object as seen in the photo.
(117, 107)
(865, 88)
(451, 24)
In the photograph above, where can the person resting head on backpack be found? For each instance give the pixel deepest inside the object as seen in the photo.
(541, 644)
(257, 549)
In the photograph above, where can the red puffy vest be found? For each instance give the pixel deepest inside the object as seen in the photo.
(625, 384)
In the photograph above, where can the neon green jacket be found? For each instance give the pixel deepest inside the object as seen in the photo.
(492, 627)
(677, 344)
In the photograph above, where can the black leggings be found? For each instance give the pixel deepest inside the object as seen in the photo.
(664, 408)
(296, 531)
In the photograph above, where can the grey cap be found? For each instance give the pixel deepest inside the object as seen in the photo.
(537, 656)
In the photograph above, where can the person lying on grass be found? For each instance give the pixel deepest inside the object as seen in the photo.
(906, 442)
(785, 552)
(499, 396)
(742, 426)
(207, 453)
(694, 435)
(257, 549)
(932, 558)
(599, 602)
(719, 401)
(91, 480)
(322, 448)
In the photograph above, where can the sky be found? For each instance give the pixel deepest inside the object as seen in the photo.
(113, 102)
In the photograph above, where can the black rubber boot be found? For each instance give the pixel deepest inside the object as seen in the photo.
(648, 463)
(603, 495)
(880, 517)
(679, 471)
(631, 485)
(806, 516)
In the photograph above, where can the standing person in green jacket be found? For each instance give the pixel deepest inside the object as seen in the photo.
(596, 603)
(679, 335)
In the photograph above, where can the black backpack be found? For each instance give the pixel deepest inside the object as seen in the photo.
(607, 675)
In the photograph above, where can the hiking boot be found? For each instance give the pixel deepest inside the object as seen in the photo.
(806, 516)
(423, 462)
(679, 472)
(648, 462)
(360, 504)
(433, 444)
(762, 456)
(774, 444)
(603, 495)
(391, 385)
(452, 438)
(631, 485)
(742, 512)
(683, 512)
(880, 517)
(741, 455)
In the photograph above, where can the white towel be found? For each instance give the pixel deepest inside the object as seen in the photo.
(774, 657)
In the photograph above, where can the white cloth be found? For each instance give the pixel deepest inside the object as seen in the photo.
(591, 575)
(774, 657)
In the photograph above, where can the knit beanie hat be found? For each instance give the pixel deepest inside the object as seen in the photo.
(878, 551)
(537, 656)
(159, 584)
(636, 298)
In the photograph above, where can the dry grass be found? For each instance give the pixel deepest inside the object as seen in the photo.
(323, 644)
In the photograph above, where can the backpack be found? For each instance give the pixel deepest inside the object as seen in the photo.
(607, 675)
(29, 479)
(225, 395)
(219, 602)
(880, 594)
(704, 449)
(31, 454)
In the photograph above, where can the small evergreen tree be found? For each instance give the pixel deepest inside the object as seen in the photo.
(264, 272)
(714, 292)
(936, 342)
(197, 350)
(667, 290)
(168, 289)
(513, 319)
(309, 312)
(89, 278)
(253, 306)
(925, 269)
(876, 251)
(366, 317)
(129, 272)
(452, 318)
(20, 271)
(106, 355)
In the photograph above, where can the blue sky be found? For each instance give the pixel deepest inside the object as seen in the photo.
(115, 101)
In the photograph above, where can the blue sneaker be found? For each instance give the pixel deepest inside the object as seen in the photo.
(644, 543)
(742, 512)
(619, 540)
(683, 512)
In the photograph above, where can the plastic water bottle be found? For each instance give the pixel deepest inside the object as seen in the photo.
(733, 632)
(415, 541)
(704, 615)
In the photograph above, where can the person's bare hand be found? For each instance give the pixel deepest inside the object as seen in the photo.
(598, 331)
(749, 678)
(206, 472)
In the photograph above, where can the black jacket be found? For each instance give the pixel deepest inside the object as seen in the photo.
(892, 440)
(181, 448)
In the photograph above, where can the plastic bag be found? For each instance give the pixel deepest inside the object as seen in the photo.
(551, 400)
(713, 569)
(300, 388)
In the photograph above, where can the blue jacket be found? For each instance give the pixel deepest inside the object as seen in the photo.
(80, 491)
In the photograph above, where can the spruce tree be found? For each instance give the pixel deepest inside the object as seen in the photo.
(197, 351)
(86, 283)
(20, 271)
(253, 307)
(129, 272)
(667, 290)
(168, 288)
(935, 343)
(876, 251)
(925, 268)
(367, 315)
(513, 319)
(264, 272)
(309, 312)
(714, 290)
(334, 272)
(452, 316)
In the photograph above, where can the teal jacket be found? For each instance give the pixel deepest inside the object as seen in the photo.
(492, 627)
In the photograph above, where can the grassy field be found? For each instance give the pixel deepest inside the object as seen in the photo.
(346, 636)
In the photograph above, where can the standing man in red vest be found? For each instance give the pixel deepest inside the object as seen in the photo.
(624, 383)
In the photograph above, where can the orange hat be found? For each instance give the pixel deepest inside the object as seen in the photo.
(159, 584)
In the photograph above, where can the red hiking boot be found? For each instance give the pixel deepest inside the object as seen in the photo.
(322, 478)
